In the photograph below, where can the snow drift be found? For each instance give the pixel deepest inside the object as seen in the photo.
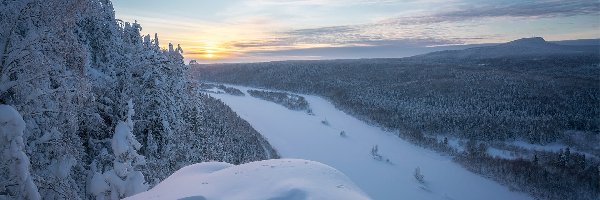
(269, 179)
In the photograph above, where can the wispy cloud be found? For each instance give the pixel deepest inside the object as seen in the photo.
(327, 2)
(518, 9)
(431, 27)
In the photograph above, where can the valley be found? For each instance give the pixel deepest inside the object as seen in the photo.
(296, 134)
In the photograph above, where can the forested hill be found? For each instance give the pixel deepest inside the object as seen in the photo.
(475, 95)
(100, 104)
(525, 48)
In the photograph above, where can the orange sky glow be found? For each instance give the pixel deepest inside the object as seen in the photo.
(268, 30)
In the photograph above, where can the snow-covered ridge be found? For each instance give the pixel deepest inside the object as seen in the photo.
(269, 179)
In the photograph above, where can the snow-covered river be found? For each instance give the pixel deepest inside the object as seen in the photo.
(295, 134)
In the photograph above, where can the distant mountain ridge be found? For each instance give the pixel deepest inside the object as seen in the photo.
(524, 47)
(579, 42)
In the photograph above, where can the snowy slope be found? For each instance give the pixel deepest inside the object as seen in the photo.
(296, 134)
(288, 179)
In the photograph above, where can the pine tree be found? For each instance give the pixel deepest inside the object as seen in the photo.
(419, 176)
(123, 180)
(375, 153)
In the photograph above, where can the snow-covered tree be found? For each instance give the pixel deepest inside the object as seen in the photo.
(418, 176)
(171, 50)
(18, 183)
(156, 41)
(375, 153)
(123, 180)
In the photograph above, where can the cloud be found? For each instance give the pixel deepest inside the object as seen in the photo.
(365, 35)
(377, 49)
(326, 2)
(435, 28)
(518, 9)
(323, 30)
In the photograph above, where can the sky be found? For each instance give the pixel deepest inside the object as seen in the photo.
(267, 30)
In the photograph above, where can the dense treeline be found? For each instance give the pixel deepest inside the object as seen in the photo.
(539, 99)
(82, 81)
(290, 101)
(548, 175)
(207, 87)
(230, 90)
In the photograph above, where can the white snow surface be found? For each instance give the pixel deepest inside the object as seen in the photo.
(554, 147)
(295, 134)
(501, 153)
(279, 179)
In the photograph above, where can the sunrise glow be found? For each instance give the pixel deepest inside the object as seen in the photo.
(249, 31)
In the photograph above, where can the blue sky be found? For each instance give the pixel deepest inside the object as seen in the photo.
(265, 30)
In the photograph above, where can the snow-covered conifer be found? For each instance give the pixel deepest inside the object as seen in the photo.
(20, 183)
(123, 180)
(418, 175)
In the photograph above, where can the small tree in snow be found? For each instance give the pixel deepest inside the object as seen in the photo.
(123, 180)
(19, 183)
(419, 176)
(375, 153)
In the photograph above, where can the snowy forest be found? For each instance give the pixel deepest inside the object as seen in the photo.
(92, 109)
(487, 98)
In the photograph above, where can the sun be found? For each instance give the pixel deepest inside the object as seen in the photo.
(209, 51)
(209, 54)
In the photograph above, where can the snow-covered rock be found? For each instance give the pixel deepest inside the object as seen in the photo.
(269, 179)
